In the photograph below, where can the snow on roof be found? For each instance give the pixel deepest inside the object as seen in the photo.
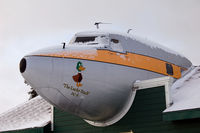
(92, 33)
(33, 113)
(185, 92)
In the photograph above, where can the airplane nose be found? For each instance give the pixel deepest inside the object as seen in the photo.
(22, 65)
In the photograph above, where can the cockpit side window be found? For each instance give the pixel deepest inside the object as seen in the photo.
(114, 40)
(85, 39)
(169, 68)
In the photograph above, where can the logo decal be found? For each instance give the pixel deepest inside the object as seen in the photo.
(76, 91)
(78, 77)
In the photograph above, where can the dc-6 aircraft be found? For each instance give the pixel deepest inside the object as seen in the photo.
(93, 76)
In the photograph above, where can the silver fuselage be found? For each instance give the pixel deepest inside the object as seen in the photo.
(106, 91)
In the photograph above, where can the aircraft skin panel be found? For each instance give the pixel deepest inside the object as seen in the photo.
(127, 59)
(88, 101)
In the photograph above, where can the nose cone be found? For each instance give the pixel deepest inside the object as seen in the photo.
(22, 65)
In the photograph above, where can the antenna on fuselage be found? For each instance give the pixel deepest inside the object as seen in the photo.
(129, 31)
(98, 23)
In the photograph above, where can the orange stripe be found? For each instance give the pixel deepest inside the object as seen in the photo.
(128, 59)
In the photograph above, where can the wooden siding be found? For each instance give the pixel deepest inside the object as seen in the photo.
(181, 115)
(145, 116)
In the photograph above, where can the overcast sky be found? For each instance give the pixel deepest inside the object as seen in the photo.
(28, 25)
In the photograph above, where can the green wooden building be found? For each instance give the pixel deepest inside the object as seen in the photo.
(154, 110)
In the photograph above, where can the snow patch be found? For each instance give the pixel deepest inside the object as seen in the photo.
(185, 92)
(31, 114)
(180, 82)
(123, 57)
(82, 53)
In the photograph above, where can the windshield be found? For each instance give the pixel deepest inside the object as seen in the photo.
(85, 39)
(90, 40)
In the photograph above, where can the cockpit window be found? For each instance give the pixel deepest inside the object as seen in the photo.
(90, 40)
(114, 40)
(85, 39)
